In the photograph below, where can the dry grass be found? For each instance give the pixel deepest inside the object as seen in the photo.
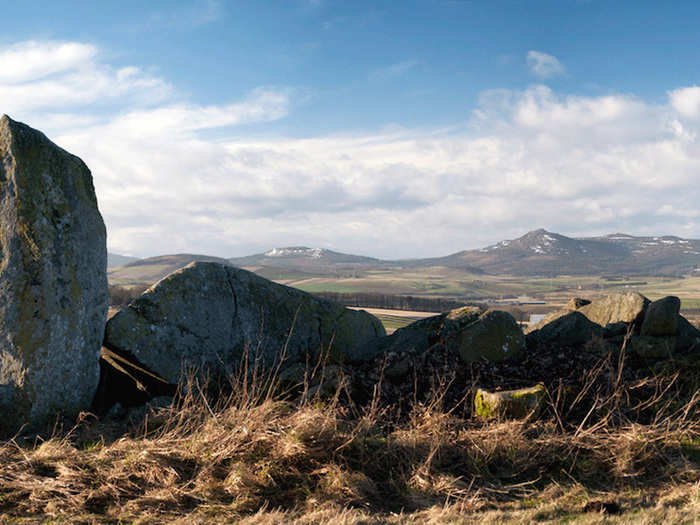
(255, 456)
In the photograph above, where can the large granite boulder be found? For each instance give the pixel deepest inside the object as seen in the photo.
(53, 281)
(661, 318)
(494, 336)
(207, 315)
(626, 307)
(571, 329)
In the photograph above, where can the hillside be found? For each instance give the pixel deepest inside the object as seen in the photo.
(304, 259)
(154, 269)
(115, 260)
(537, 253)
(541, 252)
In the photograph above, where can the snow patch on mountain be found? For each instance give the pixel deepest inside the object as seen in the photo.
(300, 251)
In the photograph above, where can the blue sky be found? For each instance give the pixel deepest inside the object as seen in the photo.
(393, 129)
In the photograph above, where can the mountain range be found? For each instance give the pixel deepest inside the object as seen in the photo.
(538, 252)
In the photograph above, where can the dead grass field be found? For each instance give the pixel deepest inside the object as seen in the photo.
(259, 456)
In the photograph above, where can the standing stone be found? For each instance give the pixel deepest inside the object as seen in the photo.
(53, 281)
(207, 315)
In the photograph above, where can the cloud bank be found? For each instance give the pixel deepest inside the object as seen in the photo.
(524, 159)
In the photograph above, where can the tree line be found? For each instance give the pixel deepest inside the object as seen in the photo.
(392, 302)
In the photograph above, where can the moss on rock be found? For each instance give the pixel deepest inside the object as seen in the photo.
(513, 404)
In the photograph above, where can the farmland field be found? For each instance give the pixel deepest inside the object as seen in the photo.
(528, 294)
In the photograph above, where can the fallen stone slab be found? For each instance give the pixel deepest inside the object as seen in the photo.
(208, 316)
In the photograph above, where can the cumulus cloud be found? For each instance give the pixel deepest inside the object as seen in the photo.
(686, 101)
(525, 159)
(543, 65)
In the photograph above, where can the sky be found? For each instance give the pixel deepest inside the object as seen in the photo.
(390, 129)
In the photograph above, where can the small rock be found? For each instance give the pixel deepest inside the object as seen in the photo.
(512, 404)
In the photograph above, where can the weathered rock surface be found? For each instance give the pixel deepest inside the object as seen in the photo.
(626, 307)
(571, 329)
(514, 404)
(53, 281)
(473, 333)
(661, 318)
(207, 315)
(495, 336)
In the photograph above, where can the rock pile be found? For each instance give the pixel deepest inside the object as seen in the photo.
(653, 329)
(53, 281)
(561, 352)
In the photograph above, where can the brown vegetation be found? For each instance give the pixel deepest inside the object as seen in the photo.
(255, 453)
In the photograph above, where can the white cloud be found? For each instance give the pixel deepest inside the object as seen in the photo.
(543, 65)
(61, 75)
(31, 60)
(686, 101)
(532, 158)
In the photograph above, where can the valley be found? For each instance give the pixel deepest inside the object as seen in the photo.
(533, 274)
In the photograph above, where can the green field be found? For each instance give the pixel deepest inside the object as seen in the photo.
(451, 283)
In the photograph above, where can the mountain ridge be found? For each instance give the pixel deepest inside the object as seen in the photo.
(537, 252)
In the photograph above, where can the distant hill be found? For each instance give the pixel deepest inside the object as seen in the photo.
(154, 269)
(304, 259)
(114, 260)
(538, 252)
